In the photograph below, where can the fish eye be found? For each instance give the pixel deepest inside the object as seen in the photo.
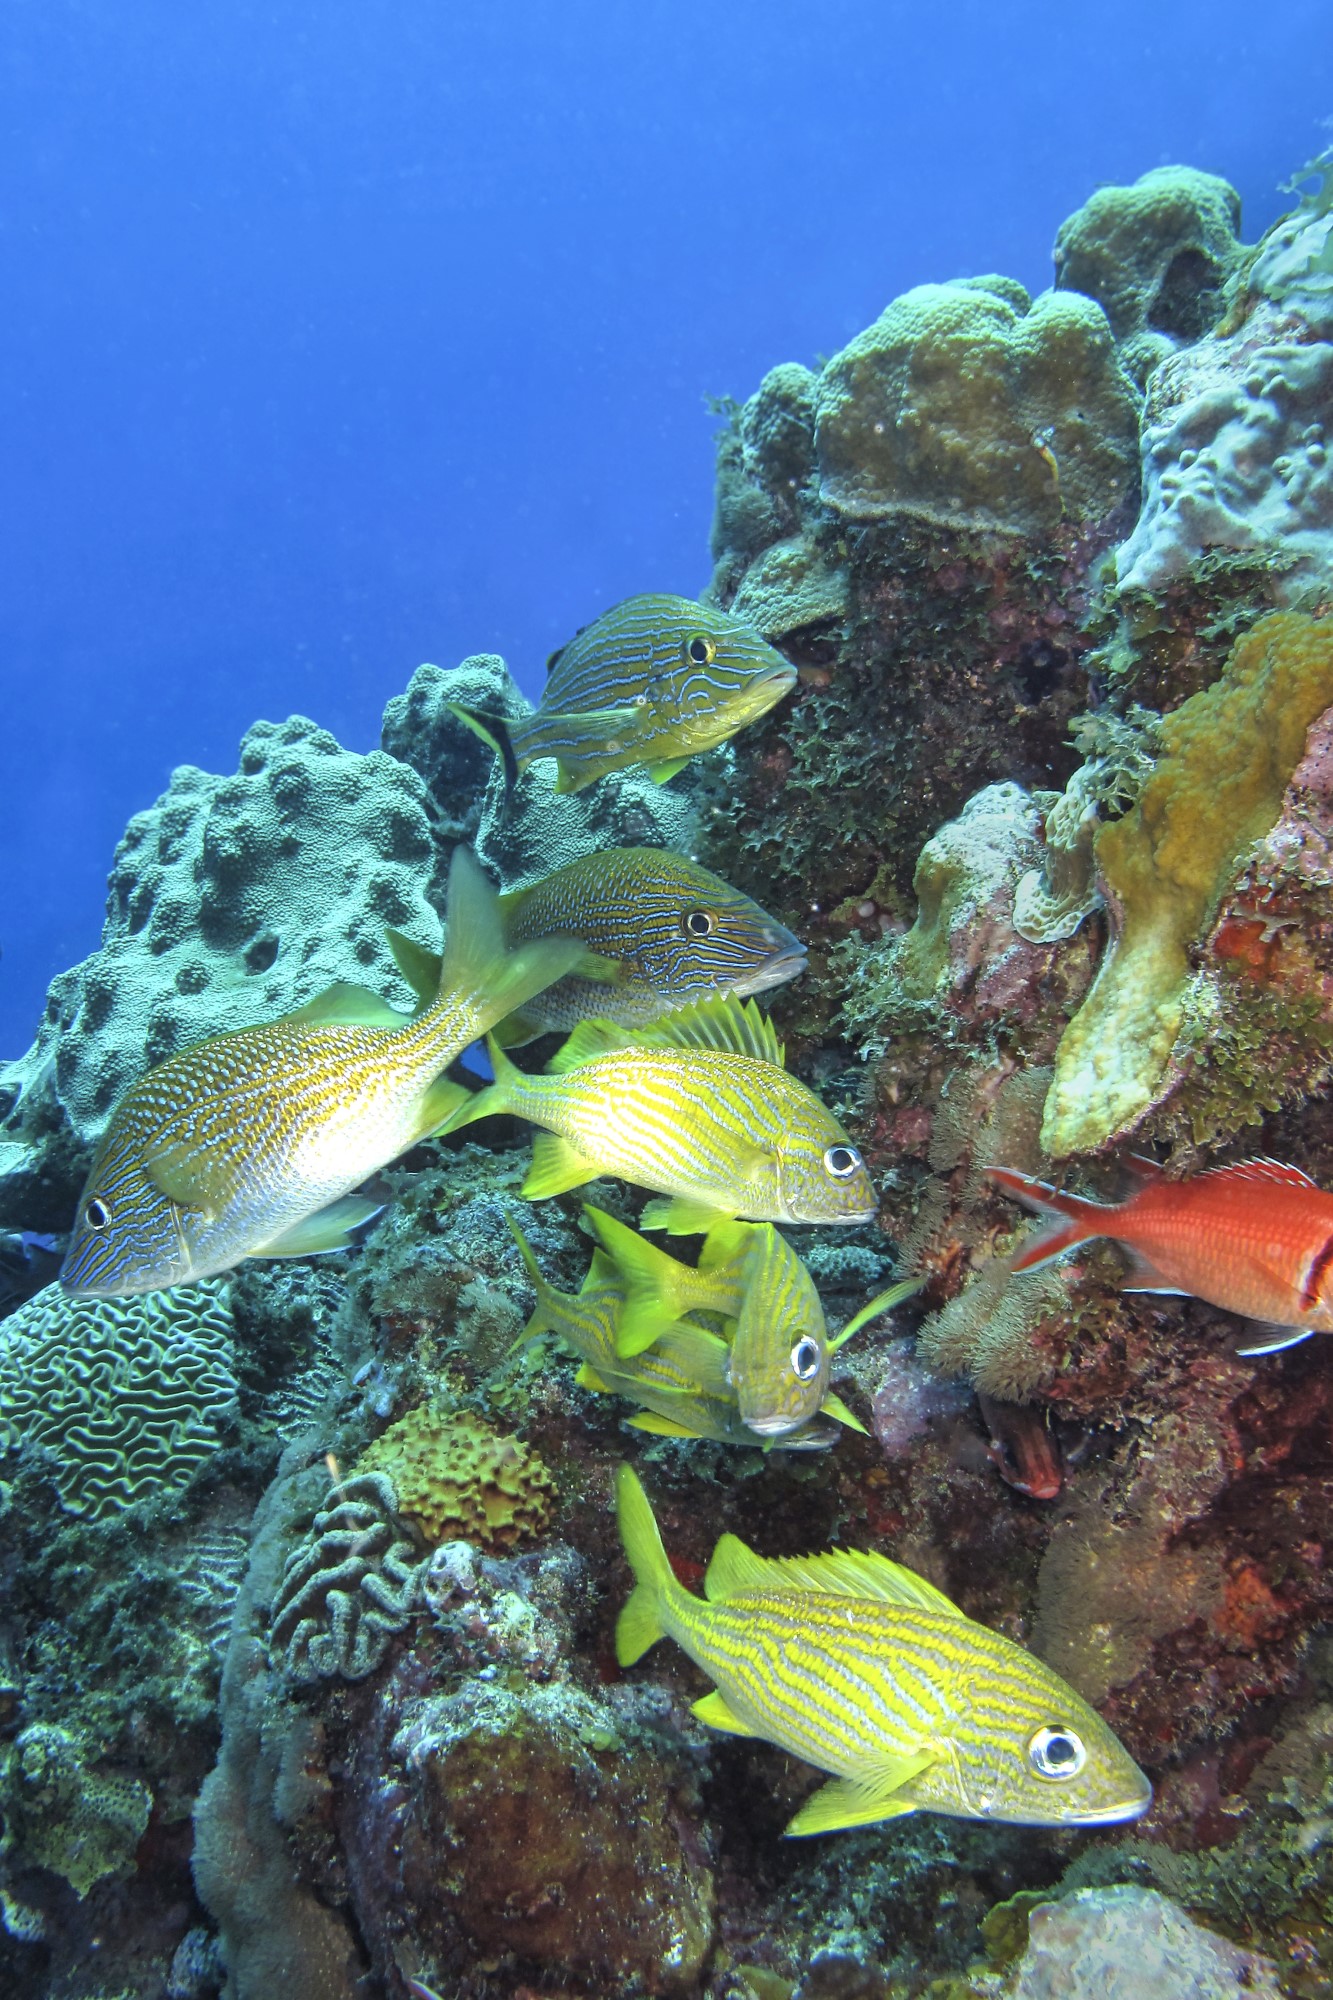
(96, 1214)
(699, 923)
(1057, 1753)
(842, 1161)
(700, 650)
(805, 1359)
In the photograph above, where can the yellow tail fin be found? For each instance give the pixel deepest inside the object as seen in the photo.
(639, 1625)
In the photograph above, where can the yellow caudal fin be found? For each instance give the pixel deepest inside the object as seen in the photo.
(639, 1625)
(651, 1279)
(478, 970)
(843, 1802)
(467, 1106)
(544, 1318)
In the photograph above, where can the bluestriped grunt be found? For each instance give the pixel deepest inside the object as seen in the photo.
(871, 1674)
(697, 1107)
(653, 681)
(249, 1144)
(1255, 1238)
(660, 931)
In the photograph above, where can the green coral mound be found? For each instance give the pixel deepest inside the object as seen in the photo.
(1228, 753)
(971, 406)
(124, 1399)
(60, 1814)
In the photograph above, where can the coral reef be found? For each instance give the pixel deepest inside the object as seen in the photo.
(973, 406)
(452, 1477)
(231, 900)
(1120, 1944)
(1227, 756)
(120, 1401)
(59, 1814)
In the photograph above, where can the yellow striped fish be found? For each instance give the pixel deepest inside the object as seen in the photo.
(653, 681)
(868, 1672)
(660, 930)
(247, 1145)
(780, 1353)
(682, 1383)
(698, 1108)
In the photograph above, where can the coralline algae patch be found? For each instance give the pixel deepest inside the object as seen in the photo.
(1217, 788)
(119, 1401)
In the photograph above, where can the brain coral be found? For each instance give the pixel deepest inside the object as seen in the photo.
(347, 1588)
(972, 406)
(230, 901)
(123, 1398)
(1217, 788)
(457, 1480)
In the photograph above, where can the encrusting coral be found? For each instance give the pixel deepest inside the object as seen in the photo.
(58, 1813)
(118, 1400)
(1227, 754)
(455, 1479)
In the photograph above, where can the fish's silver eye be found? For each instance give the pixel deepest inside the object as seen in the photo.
(1057, 1753)
(805, 1359)
(96, 1214)
(699, 923)
(700, 650)
(842, 1161)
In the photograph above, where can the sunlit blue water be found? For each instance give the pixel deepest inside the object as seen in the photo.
(338, 337)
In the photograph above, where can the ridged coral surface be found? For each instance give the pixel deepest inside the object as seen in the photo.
(119, 1400)
(454, 1477)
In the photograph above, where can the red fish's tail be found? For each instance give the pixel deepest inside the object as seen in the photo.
(1073, 1220)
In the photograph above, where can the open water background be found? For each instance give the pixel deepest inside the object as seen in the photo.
(341, 336)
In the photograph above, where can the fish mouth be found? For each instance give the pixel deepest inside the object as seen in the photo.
(775, 971)
(1111, 1815)
(770, 1426)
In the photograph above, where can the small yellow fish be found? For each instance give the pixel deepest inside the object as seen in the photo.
(653, 681)
(780, 1353)
(870, 1673)
(697, 1107)
(682, 1383)
(660, 931)
(247, 1145)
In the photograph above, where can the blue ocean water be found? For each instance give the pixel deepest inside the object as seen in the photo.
(338, 338)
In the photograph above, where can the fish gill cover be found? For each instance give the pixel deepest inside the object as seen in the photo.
(323, 1669)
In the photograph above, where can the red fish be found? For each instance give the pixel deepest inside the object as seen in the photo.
(1255, 1239)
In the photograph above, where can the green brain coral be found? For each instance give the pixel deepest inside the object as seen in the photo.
(1228, 753)
(123, 1398)
(969, 404)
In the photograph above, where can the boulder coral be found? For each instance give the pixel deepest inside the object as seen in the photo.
(1227, 754)
(970, 405)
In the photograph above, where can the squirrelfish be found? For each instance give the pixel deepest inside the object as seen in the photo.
(682, 1382)
(247, 1145)
(1255, 1238)
(653, 681)
(660, 931)
(868, 1672)
(697, 1107)
(780, 1353)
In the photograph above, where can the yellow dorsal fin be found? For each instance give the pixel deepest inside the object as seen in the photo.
(840, 1573)
(722, 1022)
(589, 1039)
(355, 1006)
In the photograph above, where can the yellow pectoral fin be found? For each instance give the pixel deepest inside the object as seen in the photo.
(555, 1167)
(659, 773)
(340, 1226)
(833, 1406)
(681, 1217)
(713, 1709)
(663, 1427)
(842, 1802)
(186, 1176)
(588, 1378)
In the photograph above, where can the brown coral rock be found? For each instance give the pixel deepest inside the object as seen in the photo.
(456, 1479)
